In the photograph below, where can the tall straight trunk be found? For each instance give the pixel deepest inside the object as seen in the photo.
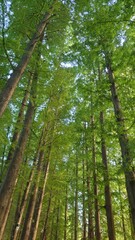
(19, 70)
(41, 202)
(123, 140)
(57, 222)
(89, 195)
(27, 229)
(97, 213)
(84, 202)
(19, 218)
(45, 170)
(52, 225)
(43, 237)
(122, 216)
(108, 200)
(32, 202)
(90, 211)
(65, 214)
(76, 202)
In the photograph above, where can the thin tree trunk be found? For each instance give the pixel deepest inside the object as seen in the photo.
(65, 215)
(90, 210)
(108, 200)
(32, 203)
(97, 213)
(19, 70)
(41, 202)
(18, 223)
(76, 202)
(57, 221)
(84, 202)
(122, 215)
(123, 140)
(46, 218)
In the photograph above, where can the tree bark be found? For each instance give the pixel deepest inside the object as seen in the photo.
(97, 213)
(123, 140)
(32, 202)
(90, 212)
(12, 174)
(46, 218)
(90, 204)
(108, 200)
(41, 201)
(65, 214)
(76, 202)
(12, 82)
(122, 215)
(5, 219)
(19, 122)
(84, 202)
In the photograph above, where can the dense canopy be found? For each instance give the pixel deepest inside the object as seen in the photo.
(67, 107)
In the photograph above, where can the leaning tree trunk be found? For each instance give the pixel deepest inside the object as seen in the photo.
(7, 187)
(19, 70)
(123, 140)
(5, 219)
(108, 200)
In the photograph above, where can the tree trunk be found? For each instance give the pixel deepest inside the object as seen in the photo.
(41, 202)
(19, 122)
(90, 204)
(19, 70)
(122, 215)
(32, 202)
(46, 218)
(18, 222)
(12, 174)
(19, 219)
(123, 140)
(108, 201)
(76, 202)
(97, 213)
(90, 213)
(84, 203)
(65, 214)
(57, 221)
(5, 219)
